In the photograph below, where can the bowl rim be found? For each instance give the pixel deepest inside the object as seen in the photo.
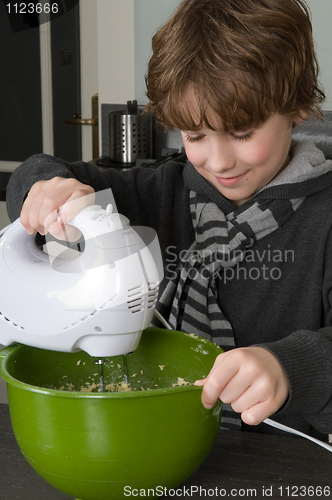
(108, 395)
(12, 381)
(9, 379)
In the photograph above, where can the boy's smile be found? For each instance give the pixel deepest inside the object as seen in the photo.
(239, 163)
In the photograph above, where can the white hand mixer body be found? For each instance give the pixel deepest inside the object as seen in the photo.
(99, 302)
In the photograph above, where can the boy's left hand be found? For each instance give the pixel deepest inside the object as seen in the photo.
(251, 379)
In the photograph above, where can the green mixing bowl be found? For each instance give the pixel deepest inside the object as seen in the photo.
(100, 446)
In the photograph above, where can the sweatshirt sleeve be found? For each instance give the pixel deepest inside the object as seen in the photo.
(44, 167)
(306, 357)
(142, 194)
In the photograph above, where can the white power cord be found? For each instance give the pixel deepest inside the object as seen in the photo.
(283, 427)
(162, 320)
(267, 421)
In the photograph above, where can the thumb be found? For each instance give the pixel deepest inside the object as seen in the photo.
(200, 382)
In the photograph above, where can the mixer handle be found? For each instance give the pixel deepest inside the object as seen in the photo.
(94, 221)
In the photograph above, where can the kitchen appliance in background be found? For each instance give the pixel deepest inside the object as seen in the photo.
(160, 144)
(130, 135)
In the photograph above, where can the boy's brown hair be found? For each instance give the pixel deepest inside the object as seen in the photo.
(244, 59)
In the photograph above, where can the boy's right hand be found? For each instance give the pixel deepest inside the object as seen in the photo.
(51, 204)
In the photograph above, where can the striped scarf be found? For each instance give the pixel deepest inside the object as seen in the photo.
(189, 302)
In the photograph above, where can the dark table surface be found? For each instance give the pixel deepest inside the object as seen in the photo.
(241, 465)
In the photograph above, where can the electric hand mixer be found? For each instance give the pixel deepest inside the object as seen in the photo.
(99, 302)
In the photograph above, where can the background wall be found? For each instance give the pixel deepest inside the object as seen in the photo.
(321, 19)
(150, 14)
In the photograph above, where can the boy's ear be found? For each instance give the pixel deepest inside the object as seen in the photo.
(300, 116)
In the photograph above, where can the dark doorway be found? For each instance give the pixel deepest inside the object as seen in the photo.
(20, 84)
(65, 37)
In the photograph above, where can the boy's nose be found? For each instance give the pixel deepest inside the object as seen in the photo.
(221, 158)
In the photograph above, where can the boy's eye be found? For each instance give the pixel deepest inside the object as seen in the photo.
(243, 137)
(194, 138)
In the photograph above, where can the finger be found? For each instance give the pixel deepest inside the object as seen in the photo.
(42, 201)
(64, 232)
(38, 211)
(26, 209)
(201, 382)
(257, 413)
(219, 377)
(45, 197)
(58, 195)
(259, 402)
(50, 219)
(75, 203)
(205, 403)
(236, 392)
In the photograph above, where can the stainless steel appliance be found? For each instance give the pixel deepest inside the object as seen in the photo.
(130, 134)
(162, 143)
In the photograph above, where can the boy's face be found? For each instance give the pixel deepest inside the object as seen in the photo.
(237, 163)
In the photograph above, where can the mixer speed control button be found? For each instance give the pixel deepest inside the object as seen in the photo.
(118, 221)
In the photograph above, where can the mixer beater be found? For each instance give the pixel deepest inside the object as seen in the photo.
(101, 362)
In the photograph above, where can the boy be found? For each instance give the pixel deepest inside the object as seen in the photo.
(244, 225)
